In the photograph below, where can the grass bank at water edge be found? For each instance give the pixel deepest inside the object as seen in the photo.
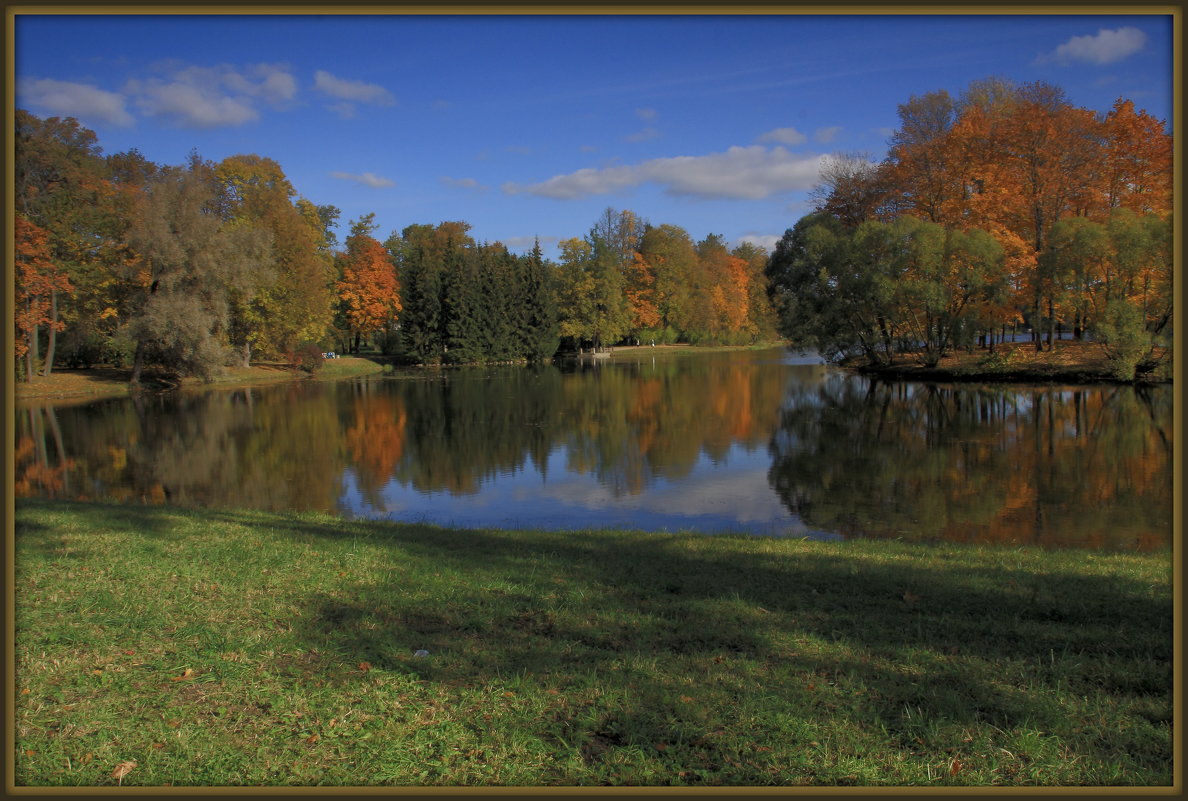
(159, 646)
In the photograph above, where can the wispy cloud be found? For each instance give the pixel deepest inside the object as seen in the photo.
(351, 92)
(644, 135)
(826, 135)
(1107, 47)
(367, 179)
(464, 183)
(784, 136)
(213, 97)
(749, 173)
(648, 115)
(66, 99)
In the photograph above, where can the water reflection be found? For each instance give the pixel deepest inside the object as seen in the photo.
(1086, 466)
(751, 442)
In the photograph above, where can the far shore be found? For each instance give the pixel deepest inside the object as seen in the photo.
(1071, 362)
(102, 382)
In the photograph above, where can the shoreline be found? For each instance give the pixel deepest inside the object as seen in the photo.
(1070, 363)
(1018, 363)
(112, 382)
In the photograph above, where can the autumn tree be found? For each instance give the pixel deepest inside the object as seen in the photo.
(670, 257)
(592, 300)
(293, 300)
(61, 186)
(38, 282)
(184, 261)
(368, 288)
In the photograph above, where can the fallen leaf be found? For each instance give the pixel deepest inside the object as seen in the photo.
(364, 666)
(311, 739)
(954, 767)
(661, 746)
(550, 692)
(129, 652)
(173, 724)
(185, 676)
(25, 691)
(30, 752)
(687, 699)
(910, 598)
(96, 672)
(509, 694)
(122, 770)
(158, 745)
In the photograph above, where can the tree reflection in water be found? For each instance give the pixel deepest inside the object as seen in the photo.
(1082, 466)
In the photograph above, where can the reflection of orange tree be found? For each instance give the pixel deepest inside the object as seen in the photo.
(35, 472)
(376, 439)
(1047, 466)
(630, 429)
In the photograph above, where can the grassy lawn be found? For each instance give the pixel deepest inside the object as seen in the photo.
(244, 648)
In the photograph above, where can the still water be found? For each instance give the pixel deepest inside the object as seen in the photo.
(762, 442)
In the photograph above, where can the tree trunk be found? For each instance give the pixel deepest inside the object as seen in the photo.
(137, 363)
(247, 353)
(1051, 323)
(53, 334)
(32, 354)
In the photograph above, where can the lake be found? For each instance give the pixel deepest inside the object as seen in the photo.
(763, 442)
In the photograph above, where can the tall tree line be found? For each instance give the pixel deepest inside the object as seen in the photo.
(193, 267)
(1007, 205)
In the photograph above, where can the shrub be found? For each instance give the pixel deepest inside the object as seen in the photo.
(1124, 337)
(307, 357)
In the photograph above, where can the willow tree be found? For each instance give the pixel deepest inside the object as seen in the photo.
(184, 261)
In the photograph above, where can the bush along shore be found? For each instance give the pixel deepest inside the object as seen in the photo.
(160, 646)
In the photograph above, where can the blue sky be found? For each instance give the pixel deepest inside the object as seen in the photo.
(530, 126)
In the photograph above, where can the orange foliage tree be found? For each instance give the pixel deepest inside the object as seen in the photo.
(369, 289)
(38, 280)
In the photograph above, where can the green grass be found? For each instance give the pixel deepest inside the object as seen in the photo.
(348, 366)
(243, 648)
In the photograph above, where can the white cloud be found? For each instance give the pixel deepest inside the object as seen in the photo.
(525, 243)
(825, 135)
(367, 179)
(765, 241)
(784, 136)
(647, 114)
(353, 91)
(211, 97)
(1106, 47)
(749, 173)
(464, 183)
(66, 99)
